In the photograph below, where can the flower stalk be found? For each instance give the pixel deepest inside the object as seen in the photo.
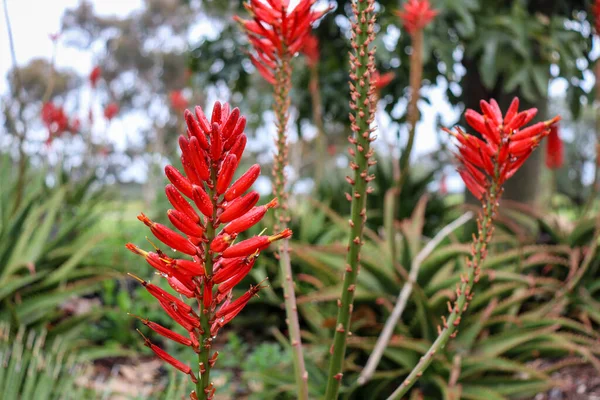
(415, 15)
(485, 165)
(210, 155)
(363, 103)
(277, 33)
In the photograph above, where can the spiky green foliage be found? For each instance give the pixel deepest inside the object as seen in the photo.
(535, 309)
(46, 246)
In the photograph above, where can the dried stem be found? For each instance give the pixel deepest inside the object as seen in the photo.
(282, 105)
(415, 78)
(464, 291)
(21, 134)
(391, 322)
(362, 104)
(317, 112)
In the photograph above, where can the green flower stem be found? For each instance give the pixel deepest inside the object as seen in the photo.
(205, 339)
(362, 104)
(464, 293)
(281, 107)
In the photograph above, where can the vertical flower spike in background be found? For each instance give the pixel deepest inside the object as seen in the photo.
(484, 165)
(415, 16)
(214, 264)
(554, 149)
(362, 105)
(277, 32)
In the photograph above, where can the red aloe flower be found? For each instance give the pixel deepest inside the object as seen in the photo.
(209, 211)
(505, 145)
(311, 50)
(381, 81)
(276, 32)
(95, 75)
(111, 110)
(554, 149)
(178, 100)
(416, 15)
(56, 121)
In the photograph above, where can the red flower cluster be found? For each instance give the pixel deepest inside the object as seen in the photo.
(416, 15)
(210, 156)
(57, 122)
(275, 31)
(311, 50)
(111, 110)
(505, 145)
(178, 101)
(380, 81)
(554, 149)
(95, 75)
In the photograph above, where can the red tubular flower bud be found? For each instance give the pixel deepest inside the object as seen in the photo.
(202, 201)
(243, 183)
(194, 339)
(164, 296)
(176, 316)
(216, 143)
(228, 267)
(230, 124)
(169, 237)
(239, 207)
(475, 188)
(180, 204)
(254, 244)
(238, 304)
(188, 267)
(235, 135)
(180, 287)
(186, 321)
(236, 277)
(238, 147)
(190, 171)
(203, 121)
(249, 219)
(184, 223)
(151, 258)
(226, 172)
(179, 181)
(161, 330)
(170, 359)
(222, 242)
(225, 110)
(198, 160)
(195, 130)
(512, 111)
(216, 114)
(207, 297)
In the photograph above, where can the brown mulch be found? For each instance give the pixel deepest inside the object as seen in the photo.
(578, 382)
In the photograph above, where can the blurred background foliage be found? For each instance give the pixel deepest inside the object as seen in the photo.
(67, 207)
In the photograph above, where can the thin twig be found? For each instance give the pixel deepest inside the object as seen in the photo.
(388, 329)
(20, 133)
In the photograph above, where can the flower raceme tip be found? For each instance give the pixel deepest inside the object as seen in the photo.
(505, 144)
(275, 31)
(416, 15)
(210, 209)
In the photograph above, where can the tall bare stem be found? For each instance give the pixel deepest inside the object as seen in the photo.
(362, 104)
(281, 108)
